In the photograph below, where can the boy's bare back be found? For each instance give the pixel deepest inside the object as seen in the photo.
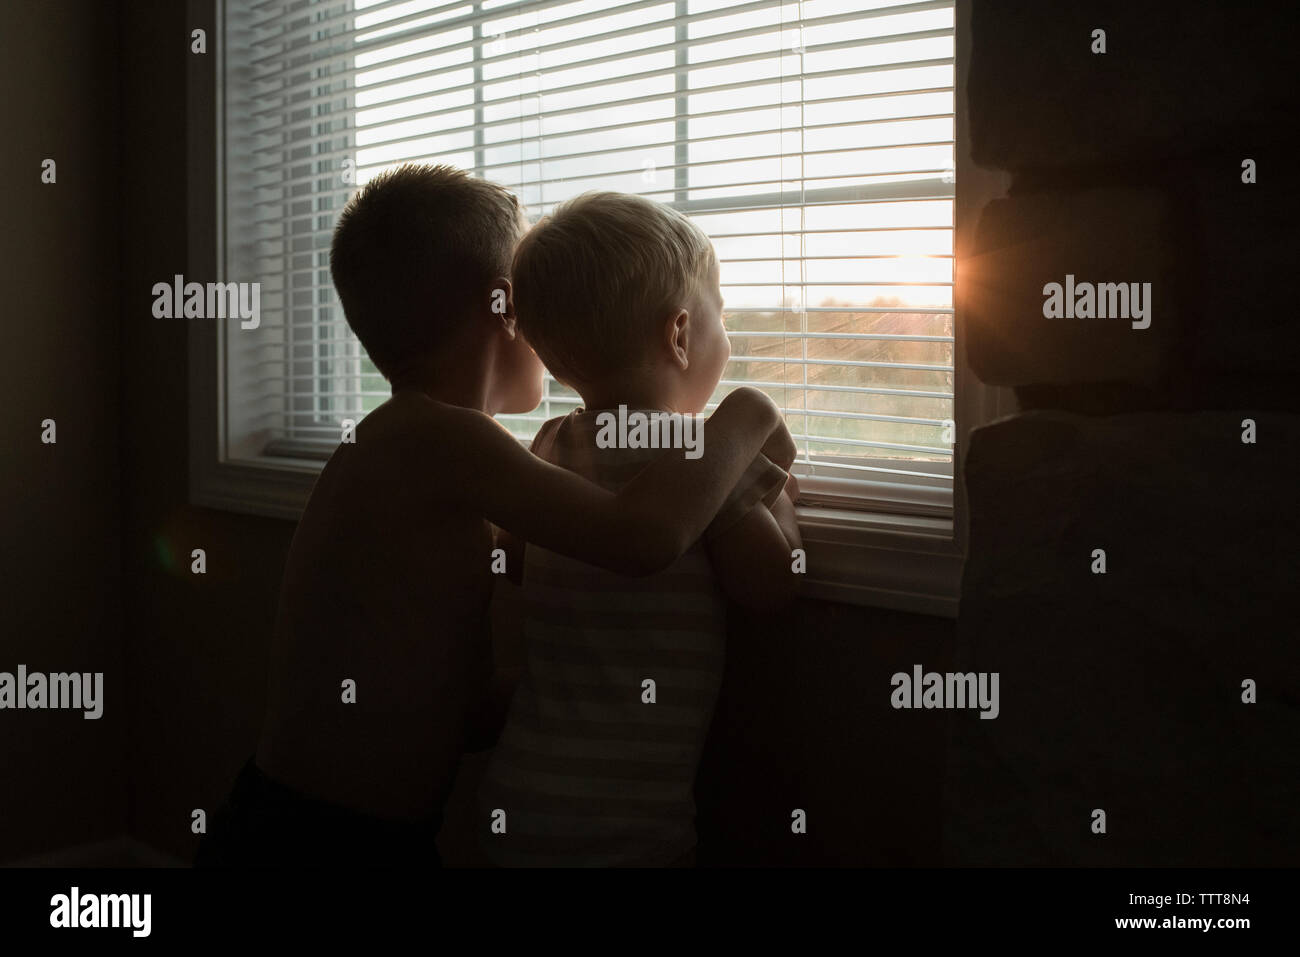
(386, 585)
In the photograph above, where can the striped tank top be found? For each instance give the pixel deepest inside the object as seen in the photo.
(596, 763)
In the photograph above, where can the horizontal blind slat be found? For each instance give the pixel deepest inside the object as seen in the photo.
(449, 26)
(322, 98)
(352, 150)
(914, 191)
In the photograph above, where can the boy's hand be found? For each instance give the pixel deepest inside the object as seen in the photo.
(792, 488)
(779, 447)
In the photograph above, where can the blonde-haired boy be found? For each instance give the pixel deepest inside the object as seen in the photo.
(620, 298)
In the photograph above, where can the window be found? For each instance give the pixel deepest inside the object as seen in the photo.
(812, 140)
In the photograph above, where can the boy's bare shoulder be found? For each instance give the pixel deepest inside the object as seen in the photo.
(404, 415)
(419, 443)
(412, 462)
(420, 429)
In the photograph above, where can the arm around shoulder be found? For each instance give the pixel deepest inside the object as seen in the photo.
(640, 530)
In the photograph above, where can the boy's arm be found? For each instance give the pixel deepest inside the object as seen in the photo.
(640, 530)
(783, 512)
(753, 559)
(512, 544)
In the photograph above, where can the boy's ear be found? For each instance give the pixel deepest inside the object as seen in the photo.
(503, 304)
(677, 331)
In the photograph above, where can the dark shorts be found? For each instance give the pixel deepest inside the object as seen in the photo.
(266, 824)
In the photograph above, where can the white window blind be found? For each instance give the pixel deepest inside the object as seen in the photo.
(813, 141)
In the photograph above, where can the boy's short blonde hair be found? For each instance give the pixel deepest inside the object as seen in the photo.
(594, 280)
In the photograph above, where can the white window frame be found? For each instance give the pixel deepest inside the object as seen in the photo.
(904, 551)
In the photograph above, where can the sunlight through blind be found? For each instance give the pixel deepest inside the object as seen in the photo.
(813, 141)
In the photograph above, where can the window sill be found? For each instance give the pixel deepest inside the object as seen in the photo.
(877, 558)
(271, 488)
(902, 562)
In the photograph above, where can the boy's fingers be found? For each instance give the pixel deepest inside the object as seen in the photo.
(792, 487)
(780, 448)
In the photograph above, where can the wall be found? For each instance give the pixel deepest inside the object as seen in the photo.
(1131, 558)
(804, 721)
(195, 645)
(60, 578)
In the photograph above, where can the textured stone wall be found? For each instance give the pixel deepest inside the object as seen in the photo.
(1123, 690)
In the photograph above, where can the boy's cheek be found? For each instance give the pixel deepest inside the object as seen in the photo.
(537, 372)
(534, 398)
(530, 383)
(718, 366)
(518, 385)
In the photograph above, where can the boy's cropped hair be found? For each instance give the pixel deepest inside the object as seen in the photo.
(594, 280)
(414, 249)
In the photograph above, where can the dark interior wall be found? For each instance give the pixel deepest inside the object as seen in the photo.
(804, 722)
(62, 774)
(195, 645)
(806, 699)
